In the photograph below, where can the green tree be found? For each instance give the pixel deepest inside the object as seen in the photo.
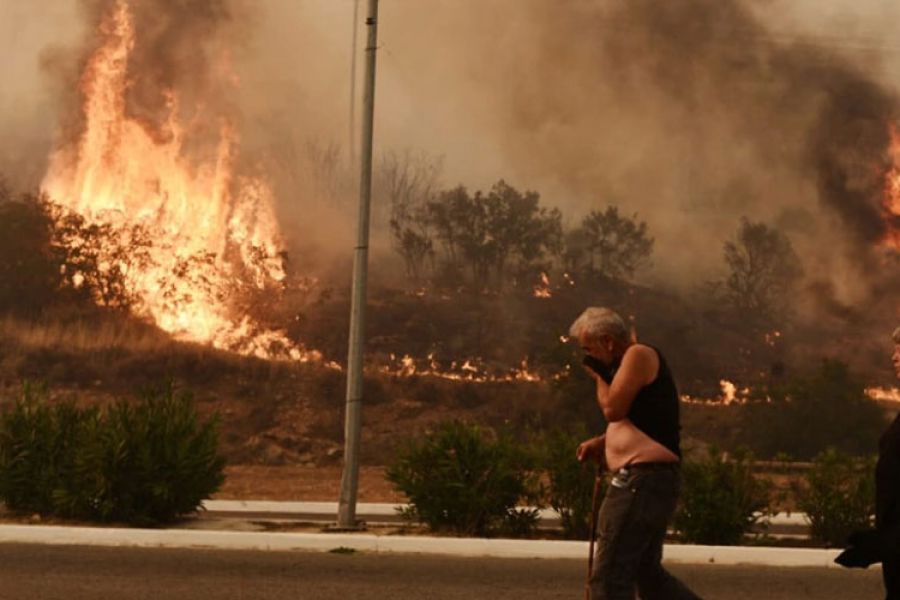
(495, 236)
(30, 262)
(448, 214)
(610, 244)
(763, 270)
(408, 182)
(521, 231)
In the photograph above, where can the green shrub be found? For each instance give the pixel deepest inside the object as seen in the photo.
(520, 522)
(159, 460)
(838, 496)
(571, 484)
(141, 463)
(39, 447)
(721, 500)
(828, 405)
(458, 479)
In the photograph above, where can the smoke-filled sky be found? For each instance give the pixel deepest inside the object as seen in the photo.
(691, 113)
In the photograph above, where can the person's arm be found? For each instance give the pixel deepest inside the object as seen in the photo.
(639, 367)
(593, 449)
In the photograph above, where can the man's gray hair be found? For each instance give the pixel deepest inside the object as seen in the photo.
(896, 336)
(597, 321)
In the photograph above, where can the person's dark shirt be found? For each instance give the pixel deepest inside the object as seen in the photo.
(655, 409)
(887, 480)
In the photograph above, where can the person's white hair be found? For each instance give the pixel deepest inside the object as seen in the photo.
(896, 336)
(597, 321)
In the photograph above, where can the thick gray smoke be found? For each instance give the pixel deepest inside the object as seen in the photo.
(692, 113)
(34, 84)
(847, 150)
(176, 48)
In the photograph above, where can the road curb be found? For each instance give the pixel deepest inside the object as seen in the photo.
(473, 547)
(382, 509)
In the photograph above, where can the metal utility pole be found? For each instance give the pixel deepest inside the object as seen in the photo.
(350, 477)
(353, 85)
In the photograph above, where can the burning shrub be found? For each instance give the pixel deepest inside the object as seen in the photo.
(458, 479)
(721, 500)
(838, 496)
(571, 483)
(145, 463)
(97, 258)
(51, 257)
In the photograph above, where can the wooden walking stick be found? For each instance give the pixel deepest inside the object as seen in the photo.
(595, 508)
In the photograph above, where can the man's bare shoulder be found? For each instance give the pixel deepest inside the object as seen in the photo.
(643, 359)
(642, 352)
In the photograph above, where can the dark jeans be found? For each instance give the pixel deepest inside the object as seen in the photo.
(890, 563)
(890, 571)
(639, 503)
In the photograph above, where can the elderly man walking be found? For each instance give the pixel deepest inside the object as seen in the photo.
(641, 449)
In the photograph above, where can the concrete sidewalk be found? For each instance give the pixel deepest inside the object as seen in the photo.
(368, 542)
(235, 525)
(324, 512)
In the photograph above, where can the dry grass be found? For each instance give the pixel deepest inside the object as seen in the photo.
(86, 336)
(114, 348)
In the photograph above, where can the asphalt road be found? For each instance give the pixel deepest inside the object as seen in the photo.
(33, 572)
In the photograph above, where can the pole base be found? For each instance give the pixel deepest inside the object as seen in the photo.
(336, 528)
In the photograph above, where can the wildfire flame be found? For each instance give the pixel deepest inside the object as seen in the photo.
(891, 200)
(211, 230)
(883, 394)
(542, 289)
(729, 391)
(471, 370)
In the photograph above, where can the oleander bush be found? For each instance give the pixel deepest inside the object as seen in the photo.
(570, 484)
(144, 462)
(40, 450)
(462, 478)
(838, 496)
(721, 499)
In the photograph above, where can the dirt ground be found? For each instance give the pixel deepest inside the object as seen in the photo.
(312, 484)
(323, 484)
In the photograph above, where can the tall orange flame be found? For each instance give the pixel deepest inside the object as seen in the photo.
(209, 226)
(891, 201)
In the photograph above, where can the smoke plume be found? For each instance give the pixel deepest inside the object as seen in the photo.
(691, 114)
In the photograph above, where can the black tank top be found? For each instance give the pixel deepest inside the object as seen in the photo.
(655, 410)
(887, 479)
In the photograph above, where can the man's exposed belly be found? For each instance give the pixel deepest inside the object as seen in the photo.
(626, 445)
